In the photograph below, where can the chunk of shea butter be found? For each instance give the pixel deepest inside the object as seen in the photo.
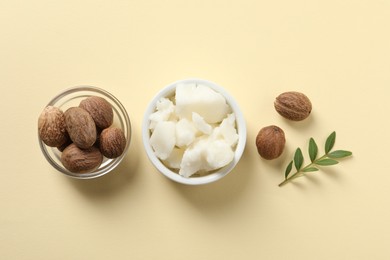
(164, 110)
(174, 159)
(185, 132)
(163, 139)
(201, 124)
(205, 155)
(218, 154)
(206, 102)
(193, 158)
(228, 130)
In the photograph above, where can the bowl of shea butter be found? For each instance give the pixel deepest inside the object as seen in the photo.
(194, 132)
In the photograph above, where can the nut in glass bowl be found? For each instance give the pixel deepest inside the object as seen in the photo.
(194, 132)
(71, 98)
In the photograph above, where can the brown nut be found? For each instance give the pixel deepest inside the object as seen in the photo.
(81, 160)
(112, 142)
(270, 142)
(100, 110)
(293, 105)
(62, 147)
(81, 127)
(51, 126)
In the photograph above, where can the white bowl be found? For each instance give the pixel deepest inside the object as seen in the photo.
(169, 91)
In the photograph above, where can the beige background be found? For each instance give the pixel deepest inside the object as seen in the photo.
(337, 52)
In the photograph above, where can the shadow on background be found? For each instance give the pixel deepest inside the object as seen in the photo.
(220, 196)
(114, 182)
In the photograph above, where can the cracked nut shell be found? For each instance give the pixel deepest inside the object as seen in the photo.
(112, 142)
(270, 142)
(293, 105)
(79, 160)
(51, 126)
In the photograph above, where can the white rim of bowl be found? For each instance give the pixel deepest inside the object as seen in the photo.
(241, 129)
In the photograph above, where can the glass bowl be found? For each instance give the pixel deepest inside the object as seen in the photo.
(213, 176)
(71, 97)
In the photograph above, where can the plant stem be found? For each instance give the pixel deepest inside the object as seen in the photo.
(301, 171)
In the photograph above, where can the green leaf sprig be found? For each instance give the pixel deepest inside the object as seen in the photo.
(329, 158)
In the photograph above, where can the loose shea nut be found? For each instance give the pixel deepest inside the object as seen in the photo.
(270, 142)
(112, 142)
(79, 160)
(51, 126)
(293, 105)
(100, 110)
(81, 127)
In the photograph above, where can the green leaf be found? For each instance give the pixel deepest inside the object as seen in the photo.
(330, 142)
(326, 162)
(311, 169)
(288, 169)
(339, 154)
(313, 149)
(298, 159)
